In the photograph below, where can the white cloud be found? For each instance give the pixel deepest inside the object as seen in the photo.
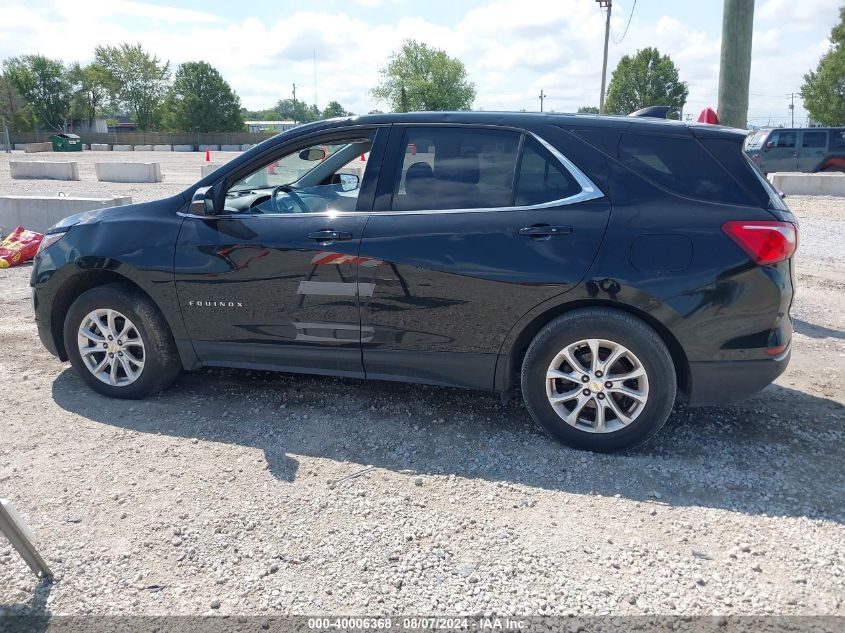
(512, 48)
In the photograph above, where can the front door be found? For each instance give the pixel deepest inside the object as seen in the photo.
(472, 227)
(779, 153)
(271, 282)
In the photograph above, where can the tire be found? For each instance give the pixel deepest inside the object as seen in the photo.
(833, 170)
(641, 353)
(147, 339)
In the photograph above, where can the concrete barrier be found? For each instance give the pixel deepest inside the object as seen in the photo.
(122, 148)
(39, 213)
(183, 148)
(100, 147)
(797, 184)
(143, 148)
(247, 146)
(162, 148)
(44, 170)
(207, 168)
(32, 148)
(230, 148)
(20, 146)
(213, 148)
(128, 172)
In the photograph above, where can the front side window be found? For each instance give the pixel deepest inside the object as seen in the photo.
(837, 139)
(313, 179)
(782, 140)
(453, 168)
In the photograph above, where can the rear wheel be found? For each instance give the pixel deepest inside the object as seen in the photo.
(599, 379)
(119, 344)
(834, 169)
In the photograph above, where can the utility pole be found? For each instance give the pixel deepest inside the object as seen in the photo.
(294, 103)
(6, 140)
(542, 96)
(791, 96)
(609, 5)
(735, 62)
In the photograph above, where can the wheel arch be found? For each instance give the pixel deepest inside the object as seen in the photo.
(79, 283)
(510, 360)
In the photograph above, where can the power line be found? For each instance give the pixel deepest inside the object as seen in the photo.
(630, 15)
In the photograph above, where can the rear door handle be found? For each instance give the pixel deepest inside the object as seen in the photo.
(329, 235)
(544, 230)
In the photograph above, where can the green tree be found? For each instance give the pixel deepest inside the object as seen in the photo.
(646, 79)
(287, 110)
(334, 109)
(139, 81)
(823, 91)
(92, 86)
(14, 111)
(259, 115)
(44, 85)
(200, 100)
(421, 78)
(588, 110)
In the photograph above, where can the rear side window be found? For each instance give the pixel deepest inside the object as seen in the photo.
(542, 178)
(814, 139)
(452, 168)
(682, 166)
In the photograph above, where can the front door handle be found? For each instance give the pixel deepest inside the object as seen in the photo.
(545, 231)
(328, 235)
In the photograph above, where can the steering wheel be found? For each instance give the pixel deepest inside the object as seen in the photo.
(277, 208)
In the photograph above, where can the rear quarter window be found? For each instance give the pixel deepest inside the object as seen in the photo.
(681, 165)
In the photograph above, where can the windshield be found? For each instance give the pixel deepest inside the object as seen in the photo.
(286, 170)
(757, 139)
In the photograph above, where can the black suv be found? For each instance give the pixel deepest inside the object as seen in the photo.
(604, 265)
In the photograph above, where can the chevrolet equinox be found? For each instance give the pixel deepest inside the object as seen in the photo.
(606, 265)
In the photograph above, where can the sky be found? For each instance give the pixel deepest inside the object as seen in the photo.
(511, 48)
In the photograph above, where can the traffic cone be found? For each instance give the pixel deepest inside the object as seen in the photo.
(362, 158)
(207, 155)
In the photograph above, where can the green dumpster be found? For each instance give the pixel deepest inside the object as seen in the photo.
(66, 143)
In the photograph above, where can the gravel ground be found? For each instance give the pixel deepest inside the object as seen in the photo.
(180, 169)
(250, 492)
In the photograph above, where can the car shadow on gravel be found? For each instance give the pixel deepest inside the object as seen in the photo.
(780, 453)
(816, 331)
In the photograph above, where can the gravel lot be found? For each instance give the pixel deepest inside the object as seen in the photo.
(226, 494)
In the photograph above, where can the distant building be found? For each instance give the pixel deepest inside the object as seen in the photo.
(269, 126)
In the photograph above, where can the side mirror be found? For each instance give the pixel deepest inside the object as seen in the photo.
(202, 202)
(349, 182)
(769, 146)
(313, 154)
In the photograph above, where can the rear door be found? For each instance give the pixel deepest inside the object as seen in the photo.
(813, 149)
(472, 227)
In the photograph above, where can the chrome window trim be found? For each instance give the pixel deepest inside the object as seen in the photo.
(589, 191)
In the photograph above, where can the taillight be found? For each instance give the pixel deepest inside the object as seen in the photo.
(765, 242)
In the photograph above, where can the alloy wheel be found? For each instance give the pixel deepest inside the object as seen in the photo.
(111, 347)
(597, 385)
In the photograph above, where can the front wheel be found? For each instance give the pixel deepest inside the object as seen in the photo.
(599, 379)
(118, 342)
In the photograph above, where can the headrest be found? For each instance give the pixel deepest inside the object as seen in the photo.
(419, 171)
(463, 169)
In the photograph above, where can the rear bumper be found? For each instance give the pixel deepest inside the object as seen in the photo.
(723, 382)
